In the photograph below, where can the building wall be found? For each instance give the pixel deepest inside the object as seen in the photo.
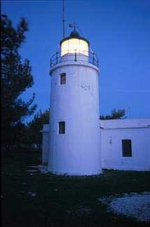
(112, 134)
(45, 143)
(77, 151)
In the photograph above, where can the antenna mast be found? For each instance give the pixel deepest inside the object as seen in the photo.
(63, 17)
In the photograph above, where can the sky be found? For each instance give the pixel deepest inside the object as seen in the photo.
(119, 34)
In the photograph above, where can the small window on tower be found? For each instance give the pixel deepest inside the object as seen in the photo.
(63, 78)
(61, 127)
(126, 148)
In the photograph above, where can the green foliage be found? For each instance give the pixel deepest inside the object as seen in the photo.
(16, 77)
(115, 114)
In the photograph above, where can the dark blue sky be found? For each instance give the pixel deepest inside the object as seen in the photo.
(119, 33)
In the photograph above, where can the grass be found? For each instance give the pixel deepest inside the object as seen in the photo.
(47, 200)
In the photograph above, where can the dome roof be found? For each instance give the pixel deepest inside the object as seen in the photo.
(74, 34)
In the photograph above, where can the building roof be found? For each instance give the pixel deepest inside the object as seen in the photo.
(125, 123)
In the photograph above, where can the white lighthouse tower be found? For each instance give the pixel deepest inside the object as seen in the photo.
(74, 112)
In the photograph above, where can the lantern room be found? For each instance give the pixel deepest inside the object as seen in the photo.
(74, 48)
(74, 44)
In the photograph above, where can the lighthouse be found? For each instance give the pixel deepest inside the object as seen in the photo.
(74, 109)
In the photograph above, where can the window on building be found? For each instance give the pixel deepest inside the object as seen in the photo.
(61, 127)
(126, 148)
(63, 78)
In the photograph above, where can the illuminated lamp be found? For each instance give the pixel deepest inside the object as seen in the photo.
(74, 44)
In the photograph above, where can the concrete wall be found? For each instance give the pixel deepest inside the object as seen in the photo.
(112, 134)
(77, 152)
(45, 143)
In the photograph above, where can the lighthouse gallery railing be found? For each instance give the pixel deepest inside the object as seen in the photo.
(90, 57)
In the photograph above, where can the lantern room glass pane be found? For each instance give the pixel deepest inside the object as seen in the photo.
(74, 46)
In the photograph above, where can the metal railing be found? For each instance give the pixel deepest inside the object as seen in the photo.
(89, 57)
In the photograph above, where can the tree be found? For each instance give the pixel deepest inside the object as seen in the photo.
(115, 114)
(34, 127)
(16, 77)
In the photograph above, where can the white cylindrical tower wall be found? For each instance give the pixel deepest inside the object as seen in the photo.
(75, 104)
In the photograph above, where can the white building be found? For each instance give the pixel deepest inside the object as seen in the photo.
(125, 144)
(74, 128)
(76, 142)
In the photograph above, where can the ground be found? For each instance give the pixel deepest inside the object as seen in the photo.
(136, 205)
(31, 198)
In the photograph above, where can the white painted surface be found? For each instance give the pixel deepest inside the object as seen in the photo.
(112, 134)
(77, 152)
(45, 143)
